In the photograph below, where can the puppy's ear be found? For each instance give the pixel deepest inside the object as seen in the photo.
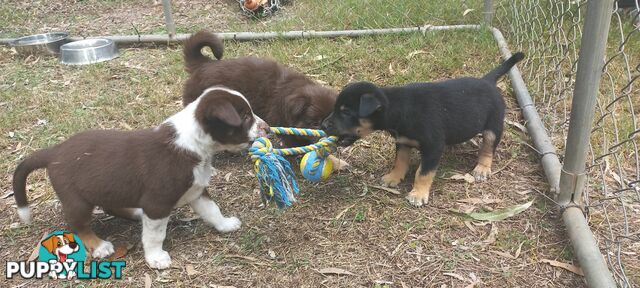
(226, 113)
(368, 104)
(69, 236)
(295, 107)
(50, 243)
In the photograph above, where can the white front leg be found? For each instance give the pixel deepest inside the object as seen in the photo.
(210, 213)
(153, 233)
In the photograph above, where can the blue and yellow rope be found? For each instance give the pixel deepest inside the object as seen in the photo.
(275, 173)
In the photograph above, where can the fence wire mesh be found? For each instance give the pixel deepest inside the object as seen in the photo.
(550, 32)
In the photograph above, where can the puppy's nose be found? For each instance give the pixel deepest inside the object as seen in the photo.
(326, 125)
(263, 127)
(73, 245)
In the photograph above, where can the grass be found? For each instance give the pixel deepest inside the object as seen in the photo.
(612, 161)
(94, 17)
(379, 238)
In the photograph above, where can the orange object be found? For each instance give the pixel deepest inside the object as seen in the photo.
(254, 4)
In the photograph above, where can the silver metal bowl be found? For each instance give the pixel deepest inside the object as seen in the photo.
(48, 43)
(88, 51)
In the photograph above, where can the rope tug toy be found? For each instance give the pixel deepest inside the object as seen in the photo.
(275, 176)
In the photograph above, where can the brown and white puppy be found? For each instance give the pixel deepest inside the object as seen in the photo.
(278, 94)
(144, 174)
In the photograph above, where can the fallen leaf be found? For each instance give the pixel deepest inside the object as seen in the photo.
(414, 53)
(613, 174)
(189, 219)
(565, 266)
(191, 270)
(466, 177)
(11, 134)
(335, 271)
(147, 281)
(390, 190)
(319, 57)
(517, 125)
(227, 177)
(18, 147)
(467, 12)
(391, 71)
(454, 275)
(491, 238)
(118, 252)
(524, 192)
(343, 211)
(271, 254)
(496, 215)
(519, 250)
(468, 224)
(476, 201)
(7, 195)
(503, 254)
(249, 258)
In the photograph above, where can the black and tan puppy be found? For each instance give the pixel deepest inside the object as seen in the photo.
(425, 116)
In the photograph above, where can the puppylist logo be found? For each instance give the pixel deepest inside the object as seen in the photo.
(62, 256)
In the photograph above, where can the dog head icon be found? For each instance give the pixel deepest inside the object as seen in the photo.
(61, 245)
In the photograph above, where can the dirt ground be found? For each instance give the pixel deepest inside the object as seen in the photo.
(344, 232)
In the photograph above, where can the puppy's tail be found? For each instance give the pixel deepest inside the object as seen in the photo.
(37, 160)
(193, 57)
(503, 68)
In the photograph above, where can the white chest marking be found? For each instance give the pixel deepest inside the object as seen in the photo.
(202, 173)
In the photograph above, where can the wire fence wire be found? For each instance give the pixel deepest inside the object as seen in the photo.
(549, 31)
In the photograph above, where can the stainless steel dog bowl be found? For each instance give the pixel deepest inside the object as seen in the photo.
(48, 43)
(88, 51)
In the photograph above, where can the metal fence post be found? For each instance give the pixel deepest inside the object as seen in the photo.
(573, 176)
(488, 12)
(168, 18)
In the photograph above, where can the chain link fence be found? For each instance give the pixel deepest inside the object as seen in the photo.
(550, 32)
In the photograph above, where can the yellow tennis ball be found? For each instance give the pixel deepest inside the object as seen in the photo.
(314, 168)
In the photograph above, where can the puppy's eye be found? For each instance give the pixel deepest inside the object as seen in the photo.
(347, 112)
(59, 243)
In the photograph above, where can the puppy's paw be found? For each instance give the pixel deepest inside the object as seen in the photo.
(418, 198)
(391, 180)
(158, 260)
(228, 224)
(103, 250)
(481, 172)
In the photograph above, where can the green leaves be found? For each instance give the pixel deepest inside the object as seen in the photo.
(496, 215)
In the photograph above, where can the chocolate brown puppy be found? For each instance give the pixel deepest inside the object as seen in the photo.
(278, 94)
(144, 174)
